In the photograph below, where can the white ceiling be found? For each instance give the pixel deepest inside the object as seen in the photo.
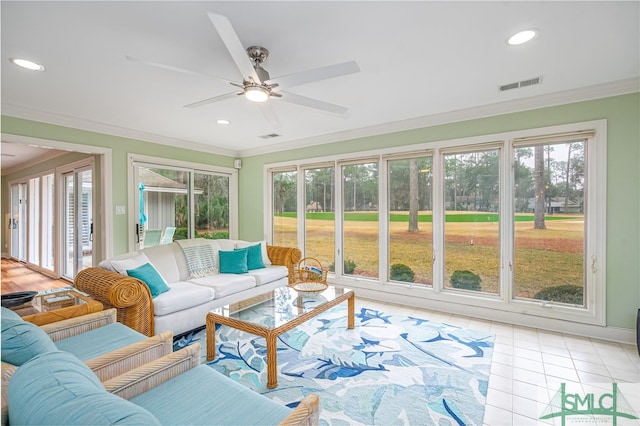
(417, 59)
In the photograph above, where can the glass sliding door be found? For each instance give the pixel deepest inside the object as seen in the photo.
(211, 192)
(77, 221)
(48, 222)
(18, 221)
(163, 202)
(33, 234)
(360, 219)
(176, 203)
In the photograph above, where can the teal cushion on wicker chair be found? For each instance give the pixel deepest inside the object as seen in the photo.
(56, 388)
(22, 341)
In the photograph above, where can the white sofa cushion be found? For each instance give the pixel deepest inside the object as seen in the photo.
(226, 284)
(168, 260)
(182, 295)
(121, 265)
(268, 274)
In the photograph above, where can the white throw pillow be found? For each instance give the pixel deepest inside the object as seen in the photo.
(263, 245)
(131, 263)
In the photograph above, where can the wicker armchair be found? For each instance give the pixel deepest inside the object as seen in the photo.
(106, 366)
(132, 298)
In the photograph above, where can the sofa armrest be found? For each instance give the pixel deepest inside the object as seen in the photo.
(285, 256)
(305, 414)
(7, 372)
(130, 296)
(141, 379)
(73, 326)
(118, 362)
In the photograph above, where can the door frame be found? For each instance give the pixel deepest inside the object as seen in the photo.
(103, 202)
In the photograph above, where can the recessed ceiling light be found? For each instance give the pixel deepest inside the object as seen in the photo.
(222, 121)
(27, 64)
(521, 37)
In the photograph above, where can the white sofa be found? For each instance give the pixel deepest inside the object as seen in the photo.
(185, 305)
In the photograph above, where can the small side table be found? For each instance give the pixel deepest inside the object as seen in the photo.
(53, 306)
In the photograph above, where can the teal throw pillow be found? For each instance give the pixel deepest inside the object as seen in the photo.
(151, 277)
(233, 262)
(22, 341)
(254, 256)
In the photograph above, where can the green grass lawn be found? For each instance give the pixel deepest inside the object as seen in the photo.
(543, 258)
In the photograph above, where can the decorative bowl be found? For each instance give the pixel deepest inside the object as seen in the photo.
(308, 288)
(16, 299)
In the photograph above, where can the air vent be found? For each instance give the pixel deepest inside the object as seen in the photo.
(519, 84)
(270, 136)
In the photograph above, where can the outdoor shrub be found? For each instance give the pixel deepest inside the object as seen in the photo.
(220, 235)
(562, 293)
(181, 234)
(401, 272)
(349, 266)
(466, 280)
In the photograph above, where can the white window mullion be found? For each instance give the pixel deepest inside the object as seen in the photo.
(438, 221)
(506, 222)
(383, 221)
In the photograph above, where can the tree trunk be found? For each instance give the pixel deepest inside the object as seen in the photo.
(539, 187)
(566, 180)
(413, 196)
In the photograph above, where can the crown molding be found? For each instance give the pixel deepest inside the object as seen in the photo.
(98, 127)
(621, 87)
(616, 88)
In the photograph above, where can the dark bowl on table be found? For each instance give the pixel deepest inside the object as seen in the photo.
(16, 299)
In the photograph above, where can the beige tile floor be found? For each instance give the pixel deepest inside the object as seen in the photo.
(529, 364)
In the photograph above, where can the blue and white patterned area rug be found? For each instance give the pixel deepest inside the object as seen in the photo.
(389, 370)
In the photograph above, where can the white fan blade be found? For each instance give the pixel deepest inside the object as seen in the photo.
(212, 100)
(269, 114)
(312, 103)
(232, 42)
(317, 74)
(175, 69)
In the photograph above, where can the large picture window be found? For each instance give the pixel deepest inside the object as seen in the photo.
(285, 229)
(410, 220)
(472, 219)
(549, 231)
(514, 221)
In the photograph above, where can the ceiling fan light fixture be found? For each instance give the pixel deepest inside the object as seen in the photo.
(256, 93)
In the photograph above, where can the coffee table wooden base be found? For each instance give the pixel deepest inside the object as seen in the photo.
(271, 335)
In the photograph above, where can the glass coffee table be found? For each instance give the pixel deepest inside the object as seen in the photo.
(274, 313)
(57, 305)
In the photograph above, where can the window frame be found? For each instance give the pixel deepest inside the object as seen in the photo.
(135, 160)
(516, 310)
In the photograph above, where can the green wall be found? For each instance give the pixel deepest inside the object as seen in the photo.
(120, 147)
(623, 176)
(623, 180)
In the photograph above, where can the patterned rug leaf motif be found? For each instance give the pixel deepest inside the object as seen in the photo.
(389, 370)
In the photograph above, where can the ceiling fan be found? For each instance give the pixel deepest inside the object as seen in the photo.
(257, 85)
